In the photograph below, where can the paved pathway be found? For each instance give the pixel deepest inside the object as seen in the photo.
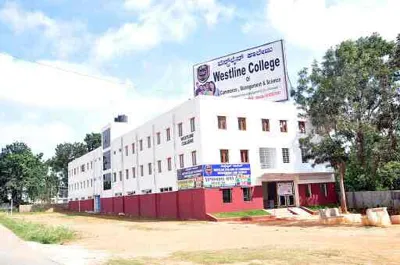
(14, 251)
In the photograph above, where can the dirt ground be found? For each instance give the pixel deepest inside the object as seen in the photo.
(128, 238)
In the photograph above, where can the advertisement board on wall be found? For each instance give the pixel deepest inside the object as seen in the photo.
(285, 188)
(214, 176)
(256, 73)
(226, 175)
(190, 177)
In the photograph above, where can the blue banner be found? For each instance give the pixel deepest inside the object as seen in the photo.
(190, 172)
(219, 170)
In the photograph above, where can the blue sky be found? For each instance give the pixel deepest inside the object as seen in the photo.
(142, 52)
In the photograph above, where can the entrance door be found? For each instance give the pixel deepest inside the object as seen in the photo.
(286, 200)
(285, 194)
(97, 206)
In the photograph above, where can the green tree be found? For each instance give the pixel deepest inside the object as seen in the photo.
(21, 172)
(351, 100)
(93, 141)
(389, 174)
(64, 154)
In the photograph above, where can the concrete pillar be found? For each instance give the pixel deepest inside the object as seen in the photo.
(296, 191)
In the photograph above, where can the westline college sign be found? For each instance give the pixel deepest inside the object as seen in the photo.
(256, 73)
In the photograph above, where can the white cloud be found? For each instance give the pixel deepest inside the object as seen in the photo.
(64, 37)
(40, 137)
(164, 21)
(317, 25)
(36, 85)
(137, 4)
(73, 99)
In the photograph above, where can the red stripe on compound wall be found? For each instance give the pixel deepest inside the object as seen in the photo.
(82, 206)
(148, 205)
(87, 205)
(215, 204)
(317, 195)
(107, 205)
(191, 204)
(73, 205)
(118, 205)
(131, 204)
(166, 205)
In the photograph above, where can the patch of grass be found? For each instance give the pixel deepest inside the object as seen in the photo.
(125, 262)
(241, 214)
(37, 232)
(252, 256)
(272, 255)
(320, 207)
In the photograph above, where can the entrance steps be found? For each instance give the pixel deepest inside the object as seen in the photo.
(292, 212)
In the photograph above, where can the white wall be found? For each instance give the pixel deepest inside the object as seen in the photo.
(91, 177)
(207, 142)
(233, 139)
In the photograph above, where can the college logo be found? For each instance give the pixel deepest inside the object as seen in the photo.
(208, 169)
(203, 73)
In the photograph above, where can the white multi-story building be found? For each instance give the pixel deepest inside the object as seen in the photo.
(206, 130)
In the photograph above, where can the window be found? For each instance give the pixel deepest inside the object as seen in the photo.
(159, 166)
(115, 177)
(133, 172)
(158, 138)
(283, 125)
(165, 189)
(285, 155)
(140, 145)
(148, 142)
(148, 191)
(222, 122)
(168, 134)
(181, 161)
(242, 124)
(106, 137)
(91, 164)
(87, 166)
(192, 125)
(126, 150)
(265, 125)
(308, 191)
(91, 182)
(267, 157)
(194, 158)
(169, 164)
(133, 148)
(107, 160)
(84, 184)
(107, 181)
(226, 195)
(324, 189)
(87, 184)
(74, 171)
(244, 156)
(180, 129)
(127, 173)
(302, 127)
(115, 152)
(247, 194)
(303, 155)
(83, 168)
(150, 169)
(120, 176)
(224, 154)
(141, 171)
